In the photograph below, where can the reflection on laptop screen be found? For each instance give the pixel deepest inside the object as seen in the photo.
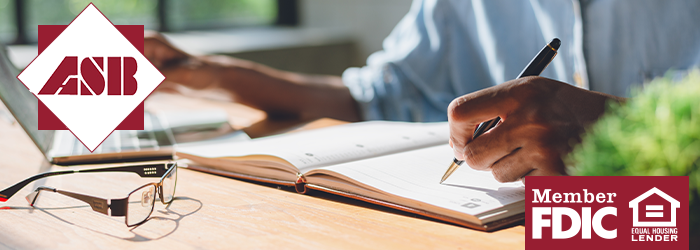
(22, 103)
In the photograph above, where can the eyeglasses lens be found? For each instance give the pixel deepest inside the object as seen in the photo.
(169, 183)
(140, 205)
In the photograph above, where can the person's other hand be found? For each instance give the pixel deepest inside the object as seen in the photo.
(161, 52)
(178, 66)
(540, 121)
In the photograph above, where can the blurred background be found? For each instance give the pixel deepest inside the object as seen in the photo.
(310, 36)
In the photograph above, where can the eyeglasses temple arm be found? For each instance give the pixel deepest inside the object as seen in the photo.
(12, 190)
(150, 170)
(100, 205)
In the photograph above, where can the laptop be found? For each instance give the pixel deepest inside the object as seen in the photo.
(155, 142)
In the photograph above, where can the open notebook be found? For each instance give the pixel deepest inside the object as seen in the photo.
(393, 164)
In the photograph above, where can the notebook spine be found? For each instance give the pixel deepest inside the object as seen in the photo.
(300, 184)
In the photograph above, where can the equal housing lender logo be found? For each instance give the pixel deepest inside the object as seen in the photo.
(607, 212)
(91, 77)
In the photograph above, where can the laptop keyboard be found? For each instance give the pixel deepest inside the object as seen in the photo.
(159, 130)
(154, 135)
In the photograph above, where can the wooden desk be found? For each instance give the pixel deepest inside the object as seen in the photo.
(211, 212)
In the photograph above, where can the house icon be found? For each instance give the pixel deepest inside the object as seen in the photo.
(654, 210)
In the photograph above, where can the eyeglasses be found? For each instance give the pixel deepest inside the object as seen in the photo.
(136, 207)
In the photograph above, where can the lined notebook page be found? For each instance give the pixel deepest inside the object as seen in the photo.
(416, 175)
(327, 146)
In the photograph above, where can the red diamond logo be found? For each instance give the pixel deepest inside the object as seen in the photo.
(91, 77)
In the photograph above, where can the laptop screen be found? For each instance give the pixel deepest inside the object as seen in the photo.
(22, 103)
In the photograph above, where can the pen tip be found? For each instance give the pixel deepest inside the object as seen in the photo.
(555, 43)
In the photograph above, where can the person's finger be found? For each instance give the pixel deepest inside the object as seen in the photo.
(465, 113)
(149, 52)
(484, 105)
(157, 52)
(502, 140)
(528, 161)
(164, 54)
(541, 162)
(512, 166)
(160, 52)
(460, 135)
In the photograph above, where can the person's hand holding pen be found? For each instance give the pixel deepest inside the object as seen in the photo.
(541, 119)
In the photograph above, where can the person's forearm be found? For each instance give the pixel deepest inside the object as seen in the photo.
(274, 91)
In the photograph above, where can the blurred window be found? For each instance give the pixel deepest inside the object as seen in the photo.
(217, 14)
(64, 11)
(163, 15)
(7, 21)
